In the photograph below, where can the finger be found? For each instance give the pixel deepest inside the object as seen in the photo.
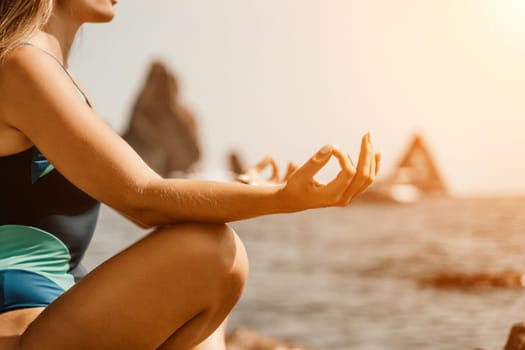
(346, 174)
(373, 166)
(363, 170)
(344, 160)
(378, 162)
(316, 162)
(275, 171)
(292, 167)
(259, 167)
(374, 169)
(251, 175)
(350, 158)
(252, 171)
(372, 173)
(263, 163)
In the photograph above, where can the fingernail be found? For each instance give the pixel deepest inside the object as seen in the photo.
(325, 149)
(323, 152)
(371, 136)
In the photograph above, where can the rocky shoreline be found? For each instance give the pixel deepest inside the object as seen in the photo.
(243, 339)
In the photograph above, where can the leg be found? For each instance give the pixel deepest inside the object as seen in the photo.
(13, 324)
(216, 341)
(173, 288)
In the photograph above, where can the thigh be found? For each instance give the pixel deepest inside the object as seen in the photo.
(139, 297)
(14, 323)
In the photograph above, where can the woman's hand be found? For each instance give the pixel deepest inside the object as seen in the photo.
(252, 175)
(302, 191)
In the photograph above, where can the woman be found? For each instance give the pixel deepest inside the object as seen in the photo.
(59, 160)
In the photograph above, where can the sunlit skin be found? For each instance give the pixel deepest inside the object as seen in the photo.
(174, 288)
(252, 175)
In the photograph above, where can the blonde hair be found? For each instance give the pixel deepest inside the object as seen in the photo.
(19, 19)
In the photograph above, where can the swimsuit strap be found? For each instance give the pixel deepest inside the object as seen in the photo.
(63, 67)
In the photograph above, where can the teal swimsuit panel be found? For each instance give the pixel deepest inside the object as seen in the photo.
(33, 249)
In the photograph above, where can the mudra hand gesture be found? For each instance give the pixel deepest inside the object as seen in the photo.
(302, 190)
(252, 175)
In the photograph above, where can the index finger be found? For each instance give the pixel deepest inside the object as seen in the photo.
(317, 161)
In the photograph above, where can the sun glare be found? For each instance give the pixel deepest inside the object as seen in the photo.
(512, 14)
(518, 5)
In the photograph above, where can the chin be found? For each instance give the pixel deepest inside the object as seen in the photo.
(101, 15)
(89, 11)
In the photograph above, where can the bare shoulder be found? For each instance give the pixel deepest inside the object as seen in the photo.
(22, 71)
(21, 62)
(16, 59)
(12, 71)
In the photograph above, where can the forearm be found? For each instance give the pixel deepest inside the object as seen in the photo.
(168, 201)
(156, 201)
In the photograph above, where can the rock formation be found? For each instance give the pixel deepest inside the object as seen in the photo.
(235, 163)
(162, 131)
(416, 176)
(516, 340)
(242, 339)
(505, 279)
(417, 168)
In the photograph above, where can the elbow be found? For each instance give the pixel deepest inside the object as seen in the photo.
(138, 217)
(143, 221)
(135, 208)
(144, 218)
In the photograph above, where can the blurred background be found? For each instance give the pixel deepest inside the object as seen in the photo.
(434, 255)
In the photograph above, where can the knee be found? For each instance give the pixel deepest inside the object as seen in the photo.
(226, 256)
(233, 262)
(216, 252)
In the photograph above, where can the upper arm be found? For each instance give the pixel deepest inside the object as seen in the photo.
(40, 100)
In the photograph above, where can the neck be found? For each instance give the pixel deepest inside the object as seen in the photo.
(57, 36)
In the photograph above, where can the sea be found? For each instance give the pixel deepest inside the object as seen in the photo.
(350, 278)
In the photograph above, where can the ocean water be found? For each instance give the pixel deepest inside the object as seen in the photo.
(349, 278)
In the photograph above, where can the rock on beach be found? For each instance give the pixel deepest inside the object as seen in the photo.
(243, 339)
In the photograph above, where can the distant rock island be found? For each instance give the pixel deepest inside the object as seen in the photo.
(416, 176)
(474, 281)
(161, 129)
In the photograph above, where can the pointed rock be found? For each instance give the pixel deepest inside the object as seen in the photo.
(415, 177)
(417, 167)
(161, 130)
(235, 162)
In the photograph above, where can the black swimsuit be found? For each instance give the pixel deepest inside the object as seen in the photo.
(46, 224)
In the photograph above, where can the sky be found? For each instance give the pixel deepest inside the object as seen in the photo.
(284, 77)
